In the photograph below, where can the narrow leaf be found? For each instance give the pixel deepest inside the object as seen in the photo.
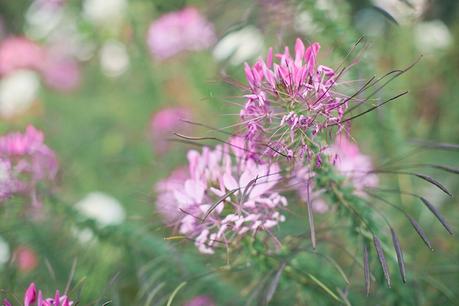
(312, 230)
(174, 293)
(446, 168)
(420, 232)
(398, 250)
(366, 269)
(437, 214)
(382, 259)
(433, 182)
(223, 198)
(324, 287)
(274, 283)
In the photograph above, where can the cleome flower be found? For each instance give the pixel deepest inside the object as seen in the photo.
(223, 197)
(25, 161)
(32, 298)
(290, 100)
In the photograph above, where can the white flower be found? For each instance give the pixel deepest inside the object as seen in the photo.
(304, 23)
(239, 46)
(18, 90)
(103, 208)
(105, 12)
(4, 251)
(42, 19)
(401, 10)
(114, 59)
(431, 36)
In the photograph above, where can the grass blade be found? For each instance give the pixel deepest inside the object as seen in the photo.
(274, 283)
(174, 293)
(382, 259)
(366, 269)
(312, 230)
(437, 214)
(324, 287)
(223, 198)
(398, 250)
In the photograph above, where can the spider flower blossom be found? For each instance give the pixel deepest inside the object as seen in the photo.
(25, 161)
(291, 100)
(176, 32)
(243, 189)
(34, 298)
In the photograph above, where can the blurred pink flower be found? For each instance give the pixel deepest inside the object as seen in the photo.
(32, 298)
(164, 123)
(354, 165)
(30, 159)
(61, 73)
(176, 32)
(20, 53)
(200, 300)
(25, 258)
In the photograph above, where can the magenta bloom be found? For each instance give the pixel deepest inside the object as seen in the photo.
(176, 32)
(61, 73)
(353, 164)
(30, 161)
(25, 258)
(291, 100)
(200, 300)
(165, 123)
(32, 298)
(251, 202)
(20, 53)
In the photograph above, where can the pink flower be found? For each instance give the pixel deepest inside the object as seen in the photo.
(31, 161)
(354, 165)
(26, 259)
(291, 100)
(32, 298)
(200, 300)
(166, 122)
(245, 190)
(61, 73)
(20, 53)
(176, 32)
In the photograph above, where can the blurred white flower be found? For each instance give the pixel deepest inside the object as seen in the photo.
(401, 10)
(83, 235)
(431, 36)
(114, 59)
(42, 19)
(103, 208)
(4, 251)
(18, 90)
(105, 12)
(240, 46)
(304, 24)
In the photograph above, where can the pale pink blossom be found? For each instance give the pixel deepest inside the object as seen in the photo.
(165, 123)
(25, 258)
(20, 53)
(245, 190)
(61, 73)
(34, 298)
(176, 32)
(31, 161)
(353, 164)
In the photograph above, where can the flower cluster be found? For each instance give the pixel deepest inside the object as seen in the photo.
(223, 196)
(24, 162)
(32, 298)
(291, 100)
(176, 32)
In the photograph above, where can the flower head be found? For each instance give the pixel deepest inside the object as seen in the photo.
(34, 298)
(26, 161)
(20, 53)
(291, 100)
(176, 32)
(223, 198)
